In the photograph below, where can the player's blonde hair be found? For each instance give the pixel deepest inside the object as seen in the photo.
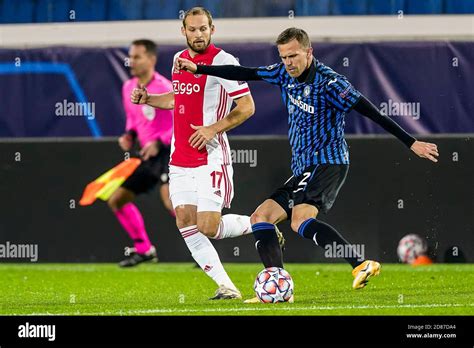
(198, 10)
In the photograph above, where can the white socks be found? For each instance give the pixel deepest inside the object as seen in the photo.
(206, 256)
(233, 225)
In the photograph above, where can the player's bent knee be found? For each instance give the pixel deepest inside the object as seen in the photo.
(295, 224)
(259, 216)
(184, 222)
(301, 213)
(120, 198)
(209, 233)
(297, 221)
(184, 217)
(114, 203)
(208, 229)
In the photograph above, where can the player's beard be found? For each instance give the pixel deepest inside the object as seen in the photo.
(196, 49)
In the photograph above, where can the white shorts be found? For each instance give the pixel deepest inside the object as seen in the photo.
(209, 187)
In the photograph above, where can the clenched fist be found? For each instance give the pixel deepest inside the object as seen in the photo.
(139, 95)
(185, 64)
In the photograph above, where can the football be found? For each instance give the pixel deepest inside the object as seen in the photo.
(273, 285)
(410, 247)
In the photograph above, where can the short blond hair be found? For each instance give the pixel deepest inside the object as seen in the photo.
(198, 10)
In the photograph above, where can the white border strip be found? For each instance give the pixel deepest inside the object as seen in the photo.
(324, 28)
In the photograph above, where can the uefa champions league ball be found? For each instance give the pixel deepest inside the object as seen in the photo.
(410, 247)
(273, 285)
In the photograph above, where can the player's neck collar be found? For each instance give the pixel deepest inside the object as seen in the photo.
(309, 74)
(209, 48)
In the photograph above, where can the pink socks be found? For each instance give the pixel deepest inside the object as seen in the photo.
(130, 218)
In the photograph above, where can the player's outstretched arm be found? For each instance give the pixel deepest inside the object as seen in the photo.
(161, 101)
(422, 149)
(228, 72)
(243, 111)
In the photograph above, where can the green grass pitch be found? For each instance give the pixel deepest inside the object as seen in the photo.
(181, 289)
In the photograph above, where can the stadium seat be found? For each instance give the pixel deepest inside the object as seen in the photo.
(460, 6)
(312, 7)
(28, 11)
(125, 10)
(90, 10)
(274, 8)
(17, 11)
(161, 9)
(424, 7)
(52, 11)
(349, 7)
(234, 8)
(385, 7)
(215, 7)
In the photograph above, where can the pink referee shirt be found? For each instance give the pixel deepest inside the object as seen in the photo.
(150, 124)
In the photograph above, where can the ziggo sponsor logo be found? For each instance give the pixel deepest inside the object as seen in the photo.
(186, 88)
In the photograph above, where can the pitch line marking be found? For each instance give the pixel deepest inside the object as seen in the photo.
(261, 307)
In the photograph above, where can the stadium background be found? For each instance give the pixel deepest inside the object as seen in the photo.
(408, 51)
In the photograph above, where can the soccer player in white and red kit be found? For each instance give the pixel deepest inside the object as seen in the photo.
(200, 164)
(152, 129)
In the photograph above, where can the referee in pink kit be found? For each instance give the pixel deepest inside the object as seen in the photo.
(152, 128)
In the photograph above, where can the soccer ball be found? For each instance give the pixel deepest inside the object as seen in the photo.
(410, 247)
(273, 285)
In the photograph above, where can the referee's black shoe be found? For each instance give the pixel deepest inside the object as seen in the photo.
(135, 258)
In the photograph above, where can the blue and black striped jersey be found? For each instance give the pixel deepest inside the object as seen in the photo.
(316, 109)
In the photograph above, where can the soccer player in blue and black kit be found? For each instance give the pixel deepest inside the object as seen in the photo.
(317, 100)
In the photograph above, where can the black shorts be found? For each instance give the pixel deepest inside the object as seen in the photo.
(318, 186)
(149, 173)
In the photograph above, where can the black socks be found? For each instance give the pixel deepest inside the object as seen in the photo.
(267, 244)
(329, 239)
